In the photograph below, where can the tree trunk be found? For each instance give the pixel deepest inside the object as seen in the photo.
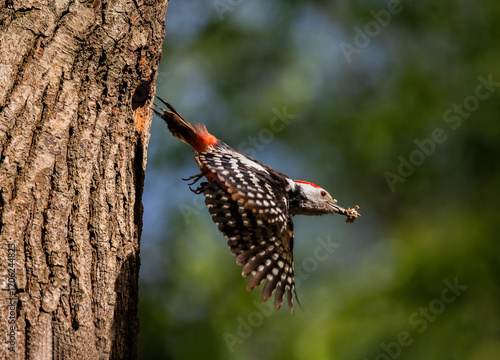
(76, 88)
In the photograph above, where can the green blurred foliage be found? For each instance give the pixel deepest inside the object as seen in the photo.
(382, 293)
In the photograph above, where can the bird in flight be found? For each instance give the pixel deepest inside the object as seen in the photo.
(252, 205)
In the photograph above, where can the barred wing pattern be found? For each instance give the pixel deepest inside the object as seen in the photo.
(261, 247)
(249, 181)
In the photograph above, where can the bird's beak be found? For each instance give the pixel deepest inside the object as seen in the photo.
(335, 208)
(352, 214)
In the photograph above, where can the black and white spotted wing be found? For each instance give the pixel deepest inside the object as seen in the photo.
(263, 249)
(249, 181)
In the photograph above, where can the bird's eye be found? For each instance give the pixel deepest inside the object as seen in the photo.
(323, 193)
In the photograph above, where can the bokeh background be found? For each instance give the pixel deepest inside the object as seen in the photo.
(393, 106)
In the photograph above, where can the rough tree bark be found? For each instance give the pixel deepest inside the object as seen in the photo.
(76, 87)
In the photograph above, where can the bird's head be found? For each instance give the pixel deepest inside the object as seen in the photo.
(314, 200)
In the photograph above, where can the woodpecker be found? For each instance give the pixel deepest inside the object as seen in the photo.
(252, 205)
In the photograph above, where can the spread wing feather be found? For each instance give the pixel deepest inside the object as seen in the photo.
(248, 181)
(262, 247)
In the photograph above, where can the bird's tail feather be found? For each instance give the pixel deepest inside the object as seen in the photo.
(196, 136)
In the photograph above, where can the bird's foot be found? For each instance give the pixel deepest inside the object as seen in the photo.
(195, 179)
